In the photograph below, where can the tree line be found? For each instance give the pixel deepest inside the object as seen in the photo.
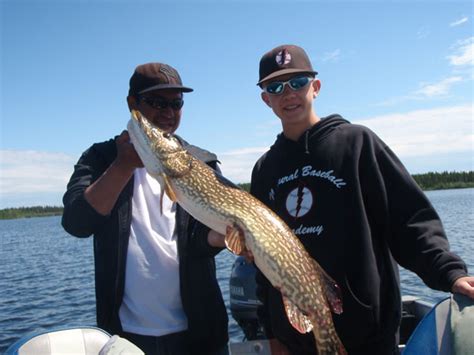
(445, 180)
(427, 181)
(26, 212)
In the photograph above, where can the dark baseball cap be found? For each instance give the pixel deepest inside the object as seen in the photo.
(155, 76)
(285, 59)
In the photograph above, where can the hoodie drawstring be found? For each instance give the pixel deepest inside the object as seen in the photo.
(306, 142)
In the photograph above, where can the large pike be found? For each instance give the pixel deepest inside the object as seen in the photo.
(308, 292)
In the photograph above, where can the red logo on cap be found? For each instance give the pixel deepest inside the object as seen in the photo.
(283, 57)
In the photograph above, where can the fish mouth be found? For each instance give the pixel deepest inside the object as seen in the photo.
(166, 127)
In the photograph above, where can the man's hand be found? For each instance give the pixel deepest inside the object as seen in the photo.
(465, 286)
(127, 157)
(216, 239)
(104, 192)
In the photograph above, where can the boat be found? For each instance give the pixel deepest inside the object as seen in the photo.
(443, 328)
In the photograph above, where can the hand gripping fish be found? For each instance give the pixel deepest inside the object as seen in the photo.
(308, 292)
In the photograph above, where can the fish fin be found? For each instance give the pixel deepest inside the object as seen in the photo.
(331, 290)
(234, 239)
(169, 190)
(297, 319)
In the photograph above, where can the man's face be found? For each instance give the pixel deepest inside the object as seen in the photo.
(161, 107)
(292, 106)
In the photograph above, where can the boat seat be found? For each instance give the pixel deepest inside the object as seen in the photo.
(447, 329)
(77, 341)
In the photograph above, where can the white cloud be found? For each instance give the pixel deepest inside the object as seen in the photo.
(237, 165)
(26, 172)
(426, 91)
(426, 132)
(423, 33)
(440, 88)
(463, 53)
(331, 56)
(461, 59)
(459, 22)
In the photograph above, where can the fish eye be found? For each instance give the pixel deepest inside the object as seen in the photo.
(167, 135)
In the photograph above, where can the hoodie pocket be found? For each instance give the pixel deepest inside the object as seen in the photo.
(356, 324)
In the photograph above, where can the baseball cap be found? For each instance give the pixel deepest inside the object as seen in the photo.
(284, 59)
(155, 76)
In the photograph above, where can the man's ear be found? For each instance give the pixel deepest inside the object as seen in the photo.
(265, 98)
(132, 103)
(316, 87)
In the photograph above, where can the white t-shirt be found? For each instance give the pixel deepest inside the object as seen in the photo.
(152, 299)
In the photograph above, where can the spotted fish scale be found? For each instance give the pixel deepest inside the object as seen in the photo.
(219, 204)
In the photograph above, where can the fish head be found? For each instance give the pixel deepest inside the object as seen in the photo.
(153, 145)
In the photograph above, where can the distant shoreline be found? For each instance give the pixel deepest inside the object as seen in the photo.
(30, 212)
(451, 187)
(428, 182)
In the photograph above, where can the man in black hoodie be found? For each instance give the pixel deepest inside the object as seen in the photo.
(354, 207)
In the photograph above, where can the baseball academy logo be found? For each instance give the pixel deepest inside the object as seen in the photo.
(283, 57)
(299, 202)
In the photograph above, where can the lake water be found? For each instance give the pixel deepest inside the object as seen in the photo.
(47, 276)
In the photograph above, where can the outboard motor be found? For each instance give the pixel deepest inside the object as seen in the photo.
(243, 299)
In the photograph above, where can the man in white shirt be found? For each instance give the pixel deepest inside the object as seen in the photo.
(155, 270)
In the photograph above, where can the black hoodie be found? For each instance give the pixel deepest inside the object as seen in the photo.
(358, 212)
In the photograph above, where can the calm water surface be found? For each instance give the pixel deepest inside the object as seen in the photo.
(47, 276)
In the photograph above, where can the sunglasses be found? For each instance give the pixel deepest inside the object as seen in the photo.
(160, 103)
(297, 83)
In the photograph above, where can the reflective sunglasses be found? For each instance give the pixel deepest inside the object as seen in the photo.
(160, 103)
(297, 83)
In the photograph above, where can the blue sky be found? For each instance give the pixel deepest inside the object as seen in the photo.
(403, 68)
